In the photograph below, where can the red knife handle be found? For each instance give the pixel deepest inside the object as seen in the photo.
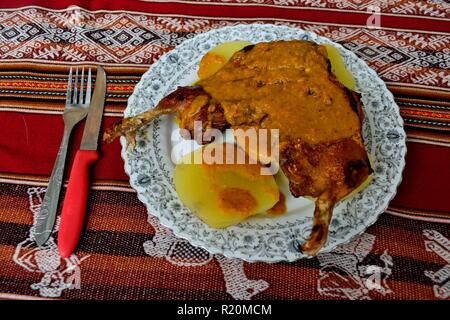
(74, 207)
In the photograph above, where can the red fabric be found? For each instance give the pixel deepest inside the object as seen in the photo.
(425, 182)
(38, 149)
(244, 11)
(423, 171)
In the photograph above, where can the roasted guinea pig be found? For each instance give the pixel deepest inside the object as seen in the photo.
(289, 86)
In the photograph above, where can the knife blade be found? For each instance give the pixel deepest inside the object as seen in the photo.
(89, 140)
(74, 207)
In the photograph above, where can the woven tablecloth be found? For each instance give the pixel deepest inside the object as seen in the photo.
(124, 252)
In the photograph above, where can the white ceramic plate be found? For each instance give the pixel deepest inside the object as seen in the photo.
(260, 238)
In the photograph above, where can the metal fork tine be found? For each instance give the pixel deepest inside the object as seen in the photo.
(69, 88)
(75, 89)
(88, 87)
(82, 86)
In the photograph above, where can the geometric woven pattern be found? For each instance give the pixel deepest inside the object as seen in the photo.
(75, 35)
(430, 8)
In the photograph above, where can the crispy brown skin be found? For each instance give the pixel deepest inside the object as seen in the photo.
(264, 87)
(179, 102)
(326, 171)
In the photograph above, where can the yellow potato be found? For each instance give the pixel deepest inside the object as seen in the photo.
(222, 195)
(364, 184)
(339, 69)
(214, 59)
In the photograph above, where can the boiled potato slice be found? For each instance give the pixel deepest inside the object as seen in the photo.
(214, 59)
(364, 184)
(338, 67)
(223, 195)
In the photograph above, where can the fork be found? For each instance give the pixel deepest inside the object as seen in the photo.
(75, 110)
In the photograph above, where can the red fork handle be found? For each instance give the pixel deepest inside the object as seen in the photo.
(74, 207)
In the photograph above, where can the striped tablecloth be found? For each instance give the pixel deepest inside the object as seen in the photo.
(125, 253)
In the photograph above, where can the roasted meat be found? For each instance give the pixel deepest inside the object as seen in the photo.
(189, 104)
(289, 86)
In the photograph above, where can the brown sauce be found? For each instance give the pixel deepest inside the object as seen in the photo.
(285, 86)
(237, 200)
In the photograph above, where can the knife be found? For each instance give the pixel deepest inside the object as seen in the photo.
(74, 206)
